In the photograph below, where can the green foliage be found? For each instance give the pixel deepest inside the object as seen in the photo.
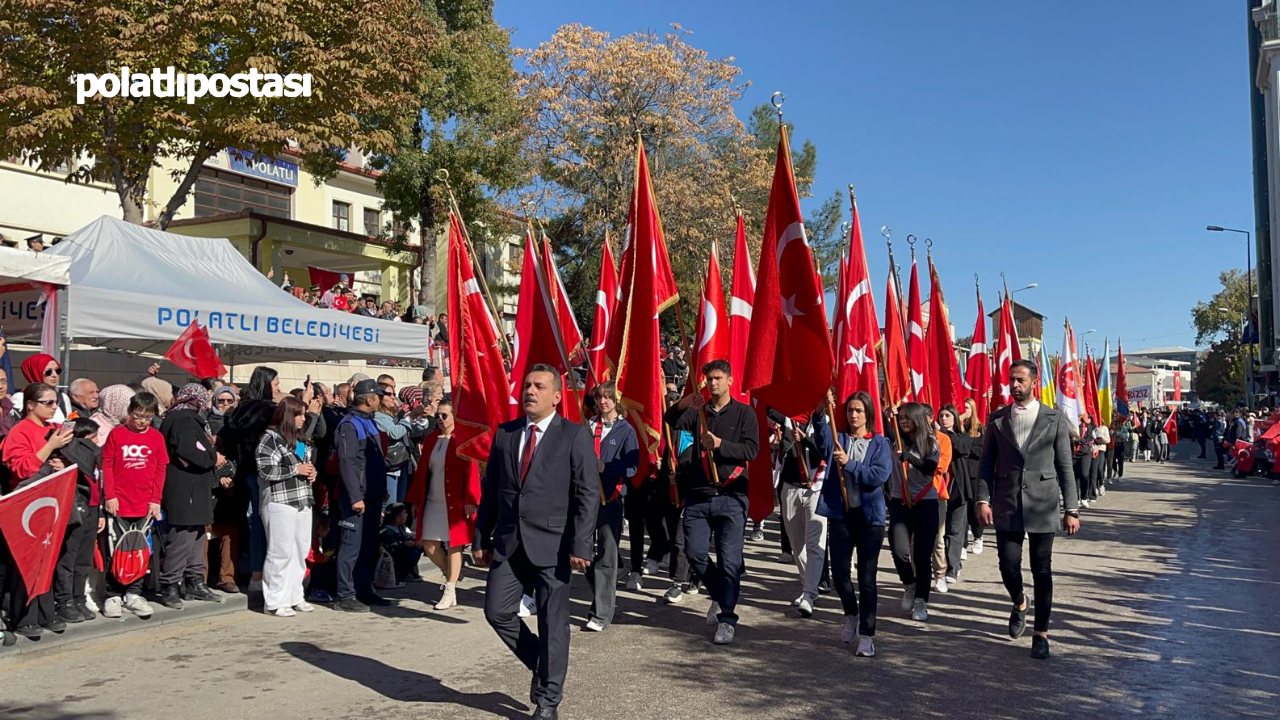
(1223, 314)
(1220, 374)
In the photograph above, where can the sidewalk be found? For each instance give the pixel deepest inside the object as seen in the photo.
(105, 627)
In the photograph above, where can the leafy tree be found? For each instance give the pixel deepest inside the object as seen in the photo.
(467, 120)
(1220, 375)
(366, 61)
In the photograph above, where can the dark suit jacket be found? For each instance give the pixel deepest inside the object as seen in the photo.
(553, 514)
(1024, 487)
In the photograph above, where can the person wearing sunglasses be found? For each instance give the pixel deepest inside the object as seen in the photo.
(41, 368)
(224, 402)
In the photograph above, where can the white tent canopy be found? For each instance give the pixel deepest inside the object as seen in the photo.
(21, 297)
(25, 266)
(136, 289)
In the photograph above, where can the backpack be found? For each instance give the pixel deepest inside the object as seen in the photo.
(130, 550)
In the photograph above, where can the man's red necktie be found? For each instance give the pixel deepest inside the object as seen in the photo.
(526, 458)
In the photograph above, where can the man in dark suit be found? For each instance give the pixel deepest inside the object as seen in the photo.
(536, 523)
(1026, 477)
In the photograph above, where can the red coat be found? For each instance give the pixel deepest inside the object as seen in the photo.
(461, 488)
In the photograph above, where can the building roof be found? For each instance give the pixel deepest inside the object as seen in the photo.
(1016, 306)
(1172, 350)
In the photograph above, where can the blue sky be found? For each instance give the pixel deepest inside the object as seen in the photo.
(1083, 146)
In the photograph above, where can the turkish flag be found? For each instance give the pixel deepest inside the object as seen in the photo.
(606, 306)
(1089, 386)
(858, 332)
(1171, 428)
(978, 373)
(648, 288)
(481, 397)
(760, 495)
(791, 361)
(917, 350)
(1007, 351)
(713, 334)
(535, 339)
(944, 385)
(554, 292)
(1243, 453)
(326, 279)
(33, 520)
(741, 297)
(1177, 386)
(897, 373)
(193, 352)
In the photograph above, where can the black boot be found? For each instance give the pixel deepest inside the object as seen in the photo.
(169, 597)
(83, 606)
(197, 590)
(69, 613)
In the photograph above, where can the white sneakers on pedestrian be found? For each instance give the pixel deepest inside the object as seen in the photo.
(849, 633)
(908, 597)
(724, 634)
(304, 607)
(805, 606)
(448, 596)
(282, 612)
(796, 603)
(88, 599)
(920, 611)
(650, 567)
(112, 608)
(964, 553)
(674, 594)
(940, 585)
(953, 579)
(593, 626)
(526, 608)
(712, 615)
(635, 581)
(977, 546)
(137, 605)
(866, 647)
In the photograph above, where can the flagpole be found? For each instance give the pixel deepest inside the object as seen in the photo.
(891, 403)
(702, 411)
(443, 176)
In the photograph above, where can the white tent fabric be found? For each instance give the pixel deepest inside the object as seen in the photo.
(18, 266)
(136, 289)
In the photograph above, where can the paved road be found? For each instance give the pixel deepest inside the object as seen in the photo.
(1167, 604)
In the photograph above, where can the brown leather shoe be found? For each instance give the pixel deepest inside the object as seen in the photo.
(229, 587)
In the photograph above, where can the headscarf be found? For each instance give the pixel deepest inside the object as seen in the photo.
(161, 389)
(193, 397)
(113, 406)
(223, 390)
(411, 395)
(33, 367)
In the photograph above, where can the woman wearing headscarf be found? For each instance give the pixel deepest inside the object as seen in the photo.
(228, 515)
(188, 498)
(163, 392)
(41, 368)
(223, 402)
(113, 406)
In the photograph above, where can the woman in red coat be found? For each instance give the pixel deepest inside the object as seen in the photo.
(444, 495)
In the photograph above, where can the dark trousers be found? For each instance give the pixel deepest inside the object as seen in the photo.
(184, 553)
(1110, 465)
(227, 544)
(1117, 462)
(1095, 475)
(357, 549)
(723, 517)
(644, 515)
(957, 524)
(75, 561)
(913, 531)
(39, 611)
(1084, 471)
(602, 575)
(843, 537)
(1204, 451)
(669, 513)
(975, 527)
(547, 653)
(1009, 545)
(1221, 452)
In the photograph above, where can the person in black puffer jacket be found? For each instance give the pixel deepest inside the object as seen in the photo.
(240, 436)
(964, 449)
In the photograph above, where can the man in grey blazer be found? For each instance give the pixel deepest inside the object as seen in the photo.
(1028, 491)
(536, 523)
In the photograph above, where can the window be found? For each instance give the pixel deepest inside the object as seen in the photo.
(218, 191)
(341, 216)
(372, 222)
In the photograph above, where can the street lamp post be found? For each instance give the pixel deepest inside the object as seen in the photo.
(1031, 286)
(1248, 319)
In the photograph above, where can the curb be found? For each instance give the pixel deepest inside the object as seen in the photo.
(105, 627)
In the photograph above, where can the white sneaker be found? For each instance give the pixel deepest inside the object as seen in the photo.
(964, 553)
(849, 633)
(712, 615)
(796, 603)
(1102, 490)
(866, 647)
(674, 594)
(920, 611)
(1084, 503)
(89, 602)
(635, 581)
(977, 546)
(908, 597)
(111, 608)
(953, 579)
(282, 612)
(805, 606)
(724, 634)
(940, 585)
(650, 567)
(304, 607)
(593, 626)
(137, 605)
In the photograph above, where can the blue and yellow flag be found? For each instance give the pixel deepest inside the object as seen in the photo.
(1048, 393)
(1104, 385)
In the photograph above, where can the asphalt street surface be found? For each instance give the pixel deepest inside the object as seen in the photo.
(1167, 604)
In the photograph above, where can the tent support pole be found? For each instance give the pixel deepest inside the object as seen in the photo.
(64, 324)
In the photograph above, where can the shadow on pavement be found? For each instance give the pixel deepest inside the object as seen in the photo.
(51, 711)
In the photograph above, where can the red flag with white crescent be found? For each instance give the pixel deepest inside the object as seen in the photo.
(535, 338)
(193, 352)
(917, 350)
(606, 306)
(741, 297)
(978, 372)
(712, 339)
(558, 298)
(33, 521)
(1008, 350)
(791, 360)
(897, 373)
(943, 368)
(857, 366)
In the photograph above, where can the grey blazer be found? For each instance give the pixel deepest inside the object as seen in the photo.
(1024, 486)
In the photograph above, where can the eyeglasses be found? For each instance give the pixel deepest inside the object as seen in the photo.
(46, 403)
(142, 416)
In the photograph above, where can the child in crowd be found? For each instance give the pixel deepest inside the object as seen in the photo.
(134, 462)
(322, 570)
(397, 539)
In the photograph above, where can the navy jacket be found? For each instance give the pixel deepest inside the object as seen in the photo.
(620, 453)
(362, 468)
(870, 475)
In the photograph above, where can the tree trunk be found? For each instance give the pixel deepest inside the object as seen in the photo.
(426, 223)
(171, 208)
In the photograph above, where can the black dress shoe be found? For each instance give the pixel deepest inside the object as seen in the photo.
(545, 714)
(169, 597)
(69, 613)
(56, 625)
(351, 605)
(1018, 620)
(30, 632)
(85, 612)
(1040, 647)
(197, 590)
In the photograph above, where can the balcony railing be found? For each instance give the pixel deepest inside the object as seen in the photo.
(1268, 21)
